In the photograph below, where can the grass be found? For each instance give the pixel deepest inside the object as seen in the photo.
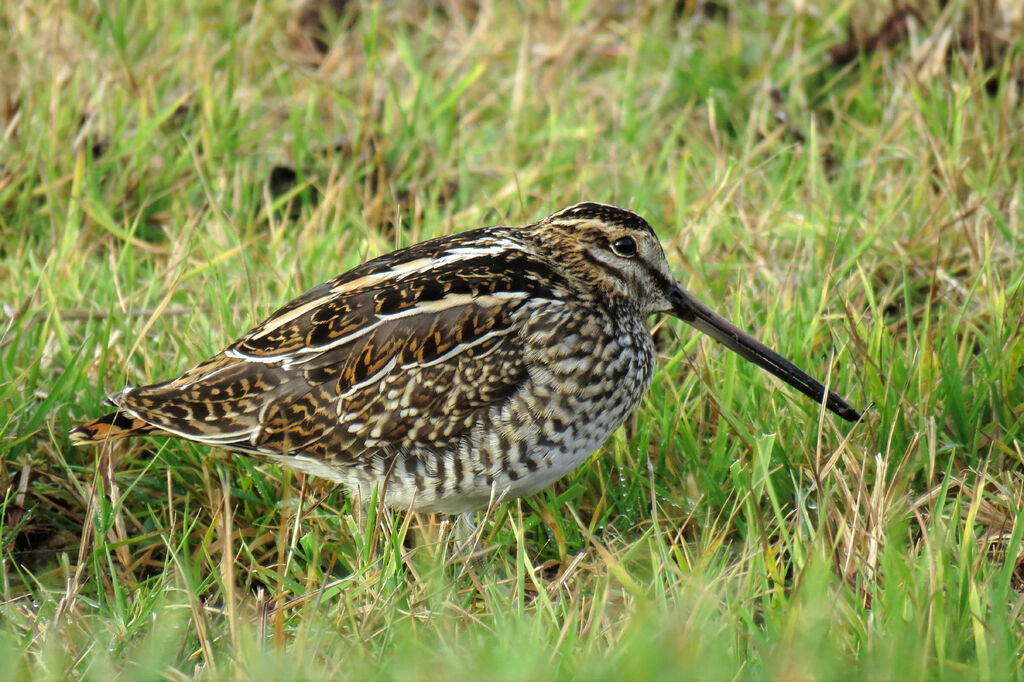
(171, 174)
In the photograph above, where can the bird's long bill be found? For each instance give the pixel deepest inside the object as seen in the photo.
(692, 311)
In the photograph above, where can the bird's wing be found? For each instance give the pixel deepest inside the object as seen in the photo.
(401, 353)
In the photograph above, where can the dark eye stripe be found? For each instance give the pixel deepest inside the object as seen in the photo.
(607, 267)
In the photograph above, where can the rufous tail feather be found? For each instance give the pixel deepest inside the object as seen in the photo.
(113, 426)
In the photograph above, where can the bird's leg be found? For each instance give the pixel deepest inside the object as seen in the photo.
(466, 532)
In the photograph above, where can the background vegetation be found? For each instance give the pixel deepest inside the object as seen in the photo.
(843, 179)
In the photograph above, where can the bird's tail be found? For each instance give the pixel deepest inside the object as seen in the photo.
(113, 426)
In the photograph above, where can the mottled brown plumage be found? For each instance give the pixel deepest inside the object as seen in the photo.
(459, 370)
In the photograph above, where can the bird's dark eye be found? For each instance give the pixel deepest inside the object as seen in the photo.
(624, 246)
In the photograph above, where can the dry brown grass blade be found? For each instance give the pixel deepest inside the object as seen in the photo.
(870, 494)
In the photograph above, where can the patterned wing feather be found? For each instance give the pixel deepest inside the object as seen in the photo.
(402, 353)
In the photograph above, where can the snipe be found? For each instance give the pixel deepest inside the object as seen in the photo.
(487, 363)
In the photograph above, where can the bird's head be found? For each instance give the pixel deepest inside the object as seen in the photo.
(616, 253)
